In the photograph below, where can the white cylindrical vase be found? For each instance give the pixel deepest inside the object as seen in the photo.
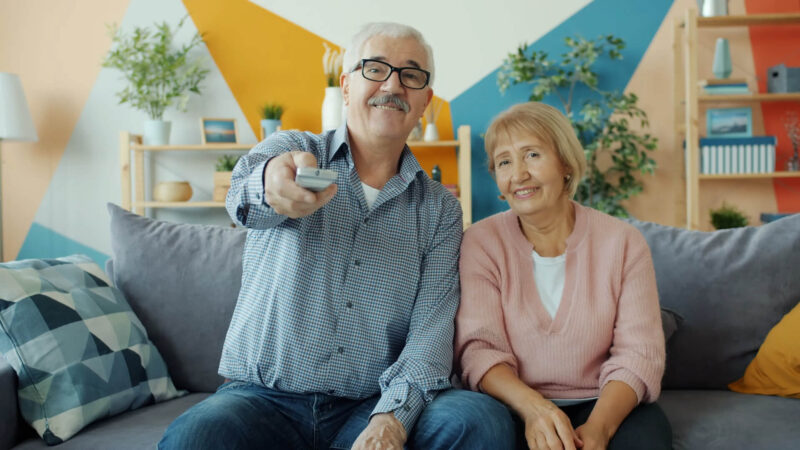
(156, 132)
(332, 108)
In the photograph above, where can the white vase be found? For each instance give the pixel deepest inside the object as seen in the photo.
(431, 133)
(156, 132)
(332, 108)
(269, 126)
(713, 8)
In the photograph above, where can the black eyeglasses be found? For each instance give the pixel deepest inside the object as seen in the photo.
(410, 77)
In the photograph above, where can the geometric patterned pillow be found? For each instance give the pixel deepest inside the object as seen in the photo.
(79, 351)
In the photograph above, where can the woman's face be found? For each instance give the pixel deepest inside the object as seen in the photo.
(529, 174)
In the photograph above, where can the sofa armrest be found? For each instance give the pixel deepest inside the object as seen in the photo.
(8, 405)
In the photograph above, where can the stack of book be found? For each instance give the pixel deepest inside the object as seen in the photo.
(725, 86)
(737, 155)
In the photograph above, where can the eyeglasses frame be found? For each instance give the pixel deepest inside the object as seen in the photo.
(393, 69)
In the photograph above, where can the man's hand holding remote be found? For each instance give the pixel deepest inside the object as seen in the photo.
(284, 195)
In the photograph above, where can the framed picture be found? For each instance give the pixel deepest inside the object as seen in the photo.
(219, 131)
(729, 122)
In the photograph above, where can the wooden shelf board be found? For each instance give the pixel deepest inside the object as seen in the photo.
(172, 148)
(788, 97)
(752, 19)
(432, 143)
(739, 176)
(198, 204)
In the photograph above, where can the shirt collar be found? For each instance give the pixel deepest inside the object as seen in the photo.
(409, 166)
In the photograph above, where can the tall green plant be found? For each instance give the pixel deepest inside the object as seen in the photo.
(614, 151)
(158, 74)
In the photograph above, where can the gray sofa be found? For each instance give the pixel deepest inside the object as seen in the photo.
(729, 287)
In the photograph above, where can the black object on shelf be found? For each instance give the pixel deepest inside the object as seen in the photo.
(436, 173)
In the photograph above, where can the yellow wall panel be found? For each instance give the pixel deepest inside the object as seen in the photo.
(56, 48)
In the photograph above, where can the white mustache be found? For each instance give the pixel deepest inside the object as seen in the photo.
(389, 98)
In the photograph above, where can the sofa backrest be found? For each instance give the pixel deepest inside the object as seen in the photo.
(182, 281)
(731, 287)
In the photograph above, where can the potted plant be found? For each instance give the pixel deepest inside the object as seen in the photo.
(727, 216)
(270, 119)
(333, 102)
(614, 151)
(158, 73)
(222, 176)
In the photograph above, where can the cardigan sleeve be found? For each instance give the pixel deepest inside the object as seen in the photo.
(637, 354)
(481, 340)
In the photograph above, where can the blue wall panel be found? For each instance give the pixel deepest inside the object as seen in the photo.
(42, 242)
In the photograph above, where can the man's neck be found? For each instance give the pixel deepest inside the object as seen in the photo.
(377, 160)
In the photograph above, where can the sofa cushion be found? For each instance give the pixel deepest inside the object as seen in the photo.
(182, 281)
(731, 287)
(140, 429)
(79, 352)
(776, 368)
(728, 420)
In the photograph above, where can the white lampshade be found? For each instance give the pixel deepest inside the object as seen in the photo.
(15, 118)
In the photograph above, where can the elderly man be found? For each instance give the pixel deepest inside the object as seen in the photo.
(343, 331)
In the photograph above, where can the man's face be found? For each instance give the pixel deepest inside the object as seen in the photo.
(386, 119)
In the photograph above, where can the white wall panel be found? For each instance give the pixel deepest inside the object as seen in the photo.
(469, 38)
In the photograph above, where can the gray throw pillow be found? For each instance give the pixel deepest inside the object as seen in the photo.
(670, 321)
(182, 281)
(730, 286)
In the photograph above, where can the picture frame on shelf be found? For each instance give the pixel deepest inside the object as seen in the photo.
(729, 122)
(218, 131)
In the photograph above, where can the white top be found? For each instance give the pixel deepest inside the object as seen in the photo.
(370, 194)
(549, 276)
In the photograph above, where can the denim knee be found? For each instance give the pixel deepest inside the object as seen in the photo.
(464, 420)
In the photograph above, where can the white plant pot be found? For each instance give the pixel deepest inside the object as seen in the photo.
(332, 108)
(156, 132)
(269, 126)
(431, 133)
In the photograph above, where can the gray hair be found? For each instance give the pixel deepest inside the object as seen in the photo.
(352, 55)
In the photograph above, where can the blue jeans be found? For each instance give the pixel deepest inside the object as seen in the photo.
(243, 415)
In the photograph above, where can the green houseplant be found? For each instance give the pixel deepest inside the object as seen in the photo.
(614, 151)
(222, 176)
(727, 216)
(158, 73)
(270, 118)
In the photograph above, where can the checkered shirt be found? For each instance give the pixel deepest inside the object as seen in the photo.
(349, 301)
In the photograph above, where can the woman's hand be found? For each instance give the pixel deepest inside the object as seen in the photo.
(547, 427)
(594, 437)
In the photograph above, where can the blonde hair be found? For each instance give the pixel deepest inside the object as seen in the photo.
(549, 126)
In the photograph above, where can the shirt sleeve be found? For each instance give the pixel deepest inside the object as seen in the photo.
(638, 349)
(425, 363)
(481, 339)
(245, 201)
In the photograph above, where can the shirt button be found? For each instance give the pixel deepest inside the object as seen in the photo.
(357, 262)
(340, 349)
(349, 304)
(258, 196)
(366, 219)
(406, 408)
(331, 391)
(397, 400)
(441, 380)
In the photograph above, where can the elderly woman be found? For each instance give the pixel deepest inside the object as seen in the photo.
(559, 314)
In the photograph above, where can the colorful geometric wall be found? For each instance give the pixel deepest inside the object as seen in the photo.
(54, 191)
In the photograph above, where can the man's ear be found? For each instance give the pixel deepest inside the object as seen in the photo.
(344, 82)
(430, 97)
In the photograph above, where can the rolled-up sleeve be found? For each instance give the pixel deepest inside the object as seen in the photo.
(638, 350)
(481, 339)
(424, 366)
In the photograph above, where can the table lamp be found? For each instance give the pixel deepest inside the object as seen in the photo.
(15, 124)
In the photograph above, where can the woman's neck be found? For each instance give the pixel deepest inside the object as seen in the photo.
(548, 231)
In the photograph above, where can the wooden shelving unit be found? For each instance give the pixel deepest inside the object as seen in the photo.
(688, 98)
(133, 181)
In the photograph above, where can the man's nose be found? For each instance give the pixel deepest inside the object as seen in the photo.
(392, 84)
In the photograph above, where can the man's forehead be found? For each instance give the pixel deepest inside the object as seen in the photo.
(383, 48)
